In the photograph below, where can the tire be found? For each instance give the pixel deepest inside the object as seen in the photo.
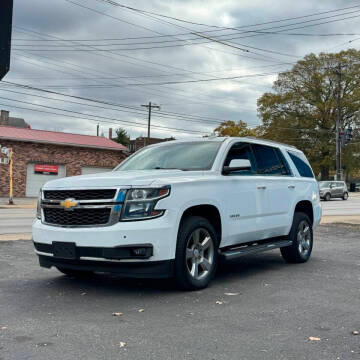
(327, 197)
(196, 260)
(76, 273)
(345, 196)
(301, 234)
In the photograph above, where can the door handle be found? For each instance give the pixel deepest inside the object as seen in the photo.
(291, 186)
(262, 187)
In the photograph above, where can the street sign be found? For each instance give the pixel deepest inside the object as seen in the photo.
(4, 161)
(6, 11)
(5, 151)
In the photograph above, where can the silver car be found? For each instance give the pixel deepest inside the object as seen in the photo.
(333, 189)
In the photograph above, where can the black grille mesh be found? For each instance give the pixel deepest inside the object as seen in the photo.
(79, 194)
(77, 217)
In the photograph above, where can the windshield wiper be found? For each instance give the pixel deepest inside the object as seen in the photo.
(163, 168)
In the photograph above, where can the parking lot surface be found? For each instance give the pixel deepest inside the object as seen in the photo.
(257, 308)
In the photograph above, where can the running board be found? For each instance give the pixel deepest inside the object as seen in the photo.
(252, 248)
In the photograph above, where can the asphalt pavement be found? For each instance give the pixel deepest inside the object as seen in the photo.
(257, 308)
(339, 207)
(15, 220)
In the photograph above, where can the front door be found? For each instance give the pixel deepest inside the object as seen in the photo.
(245, 199)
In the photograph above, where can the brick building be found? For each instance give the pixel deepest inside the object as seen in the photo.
(40, 156)
(141, 142)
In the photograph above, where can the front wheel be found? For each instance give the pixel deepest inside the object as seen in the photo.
(345, 196)
(327, 197)
(196, 253)
(301, 235)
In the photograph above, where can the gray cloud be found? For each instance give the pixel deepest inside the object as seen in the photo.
(69, 71)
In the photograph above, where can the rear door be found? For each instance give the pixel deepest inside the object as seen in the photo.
(339, 189)
(275, 179)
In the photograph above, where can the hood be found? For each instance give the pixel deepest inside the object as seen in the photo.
(124, 178)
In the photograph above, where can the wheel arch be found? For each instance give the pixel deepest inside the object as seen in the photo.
(207, 211)
(306, 207)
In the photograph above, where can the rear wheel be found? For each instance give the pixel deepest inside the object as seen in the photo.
(76, 273)
(327, 197)
(196, 253)
(301, 235)
(345, 196)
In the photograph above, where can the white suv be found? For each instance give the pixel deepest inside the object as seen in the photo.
(176, 208)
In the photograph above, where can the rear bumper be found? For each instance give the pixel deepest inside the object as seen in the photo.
(144, 269)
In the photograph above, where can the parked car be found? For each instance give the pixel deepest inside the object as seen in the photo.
(176, 208)
(333, 189)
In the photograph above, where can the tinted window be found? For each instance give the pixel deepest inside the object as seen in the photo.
(178, 155)
(241, 151)
(268, 161)
(324, 184)
(303, 168)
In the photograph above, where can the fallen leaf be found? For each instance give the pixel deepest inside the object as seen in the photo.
(355, 332)
(117, 313)
(122, 344)
(141, 310)
(219, 302)
(312, 338)
(232, 294)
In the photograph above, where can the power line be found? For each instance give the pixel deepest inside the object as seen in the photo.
(222, 27)
(166, 115)
(132, 123)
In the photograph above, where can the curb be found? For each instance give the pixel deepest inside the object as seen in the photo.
(23, 206)
(13, 237)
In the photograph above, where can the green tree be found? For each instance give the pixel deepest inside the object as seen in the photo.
(230, 128)
(302, 108)
(122, 137)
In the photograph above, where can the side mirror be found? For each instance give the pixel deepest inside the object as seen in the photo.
(237, 165)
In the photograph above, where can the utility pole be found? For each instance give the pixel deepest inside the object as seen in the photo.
(97, 129)
(150, 106)
(11, 200)
(339, 132)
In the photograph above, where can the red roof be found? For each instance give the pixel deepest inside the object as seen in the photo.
(59, 138)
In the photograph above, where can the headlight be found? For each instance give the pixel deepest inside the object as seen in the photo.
(38, 207)
(140, 203)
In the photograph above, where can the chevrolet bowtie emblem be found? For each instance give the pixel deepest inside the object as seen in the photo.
(69, 204)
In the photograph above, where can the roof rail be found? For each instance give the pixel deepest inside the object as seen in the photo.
(271, 141)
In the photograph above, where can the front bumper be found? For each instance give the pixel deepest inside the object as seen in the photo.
(160, 234)
(148, 269)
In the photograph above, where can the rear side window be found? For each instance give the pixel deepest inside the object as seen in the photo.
(269, 161)
(303, 168)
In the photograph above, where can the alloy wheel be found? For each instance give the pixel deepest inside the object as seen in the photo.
(199, 253)
(304, 238)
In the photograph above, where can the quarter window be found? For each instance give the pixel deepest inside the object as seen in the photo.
(268, 161)
(303, 168)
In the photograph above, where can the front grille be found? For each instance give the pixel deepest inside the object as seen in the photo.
(102, 194)
(77, 217)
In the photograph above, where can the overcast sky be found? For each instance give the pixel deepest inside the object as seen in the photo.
(103, 58)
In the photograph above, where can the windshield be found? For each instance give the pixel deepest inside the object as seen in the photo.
(184, 156)
(324, 184)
